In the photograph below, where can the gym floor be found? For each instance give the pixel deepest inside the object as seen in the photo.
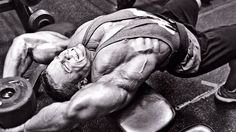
(192, 98)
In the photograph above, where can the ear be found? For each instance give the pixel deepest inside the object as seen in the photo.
(82, 83)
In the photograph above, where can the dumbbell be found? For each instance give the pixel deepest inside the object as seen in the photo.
(17, 99)
(36, 19)
(31, 20)
(39, 19)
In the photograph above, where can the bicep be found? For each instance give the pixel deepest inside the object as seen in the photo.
(43, 46)
(96, 100)
(40, 46)
(27, 43)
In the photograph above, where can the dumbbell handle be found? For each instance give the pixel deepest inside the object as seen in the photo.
(23, 11)
(7, 5)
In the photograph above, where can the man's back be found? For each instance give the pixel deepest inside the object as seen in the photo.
(120, 41)
(126, 36)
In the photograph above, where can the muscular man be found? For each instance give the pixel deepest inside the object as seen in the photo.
(117, 53)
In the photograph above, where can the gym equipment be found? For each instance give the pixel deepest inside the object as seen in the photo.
(17, 99)
(25, 13)
(198, 128)
(147, 112)
(39, 19)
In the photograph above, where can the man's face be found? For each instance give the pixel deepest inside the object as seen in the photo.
(71, 65)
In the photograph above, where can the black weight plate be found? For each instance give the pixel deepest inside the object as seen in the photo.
(17, 101)
(39, 19)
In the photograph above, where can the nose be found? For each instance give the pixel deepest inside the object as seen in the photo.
(60, 59)
(74, 52)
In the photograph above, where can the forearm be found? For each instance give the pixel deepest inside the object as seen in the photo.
(17, 60)
(50, 119)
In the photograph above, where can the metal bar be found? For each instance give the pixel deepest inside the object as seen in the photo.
(5, 5)
(24, 13)
(4, 1)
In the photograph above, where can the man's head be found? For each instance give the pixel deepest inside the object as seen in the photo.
(64, 74)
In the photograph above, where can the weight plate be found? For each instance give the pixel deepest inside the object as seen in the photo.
(39, 19)
(17, 101)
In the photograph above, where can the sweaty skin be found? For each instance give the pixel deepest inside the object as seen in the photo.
(116, 73)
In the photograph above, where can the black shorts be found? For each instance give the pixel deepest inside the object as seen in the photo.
(218, 46)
